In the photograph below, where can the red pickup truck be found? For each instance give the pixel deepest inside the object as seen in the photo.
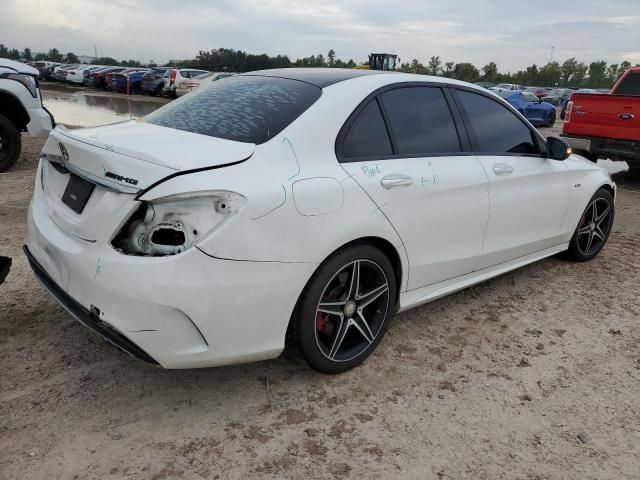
(606, 125)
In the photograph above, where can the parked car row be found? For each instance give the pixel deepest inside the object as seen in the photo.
(532, 101)
(167, 81)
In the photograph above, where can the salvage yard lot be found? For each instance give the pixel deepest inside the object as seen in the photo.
(532, 375)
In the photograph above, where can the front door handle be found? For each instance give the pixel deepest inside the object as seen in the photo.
(502, 169)
(395, 180)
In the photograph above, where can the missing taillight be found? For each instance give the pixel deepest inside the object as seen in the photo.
(168, 236)
(172, 225)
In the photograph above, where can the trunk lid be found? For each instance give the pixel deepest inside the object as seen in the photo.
(145, 151)
(121, 160)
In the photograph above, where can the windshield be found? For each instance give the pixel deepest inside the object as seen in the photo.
(244, 108)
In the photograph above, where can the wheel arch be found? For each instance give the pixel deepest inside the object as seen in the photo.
(609, 188)
(386, 247)
(13, 109)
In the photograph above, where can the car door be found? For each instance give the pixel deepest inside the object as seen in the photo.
(528, 192)
(404, 149)
(537, 110)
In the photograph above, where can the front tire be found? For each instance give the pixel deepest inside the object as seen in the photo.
(593, 229)
(10, 144)
(552, 118)
(344, 310)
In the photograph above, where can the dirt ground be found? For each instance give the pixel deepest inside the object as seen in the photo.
(532, 375)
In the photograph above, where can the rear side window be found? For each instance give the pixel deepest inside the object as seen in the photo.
(421, 121)
(630, 85)
(367, 136)
(243, 108)
(496, 129)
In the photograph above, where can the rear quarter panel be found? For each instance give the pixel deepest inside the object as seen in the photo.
(301, 204)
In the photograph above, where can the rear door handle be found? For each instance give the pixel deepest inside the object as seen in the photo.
(396, 180)
(502, 169)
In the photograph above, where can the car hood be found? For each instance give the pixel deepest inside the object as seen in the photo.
(18, 66)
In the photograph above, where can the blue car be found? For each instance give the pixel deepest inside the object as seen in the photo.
(132, 77)
(539, 113)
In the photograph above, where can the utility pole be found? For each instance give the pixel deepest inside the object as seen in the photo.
(551, 56)
(95, 52)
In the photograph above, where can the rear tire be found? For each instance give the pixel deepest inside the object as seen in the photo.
(593, 229)
(341, 316)
(10, 144)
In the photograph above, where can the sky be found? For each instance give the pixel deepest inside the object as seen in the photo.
(513, 33)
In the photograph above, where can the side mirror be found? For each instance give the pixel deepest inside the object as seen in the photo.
(557, 148)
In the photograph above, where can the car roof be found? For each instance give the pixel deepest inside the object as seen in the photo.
(320, 77)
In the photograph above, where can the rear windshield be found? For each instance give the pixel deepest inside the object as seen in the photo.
(630, 85)
(243, 108)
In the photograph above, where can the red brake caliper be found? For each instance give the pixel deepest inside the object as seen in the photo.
(321, 321)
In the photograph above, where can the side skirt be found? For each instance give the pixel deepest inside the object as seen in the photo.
(429, 293)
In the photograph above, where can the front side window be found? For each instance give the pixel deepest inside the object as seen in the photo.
(244, 108)
(367, 135)
(421, 121)
(496, 129)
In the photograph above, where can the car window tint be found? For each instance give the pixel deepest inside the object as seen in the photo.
(630, 85)
(496, 128)
(367, 136)
(244, 108)
(421, 121)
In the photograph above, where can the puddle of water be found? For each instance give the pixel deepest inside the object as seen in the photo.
(83, 110)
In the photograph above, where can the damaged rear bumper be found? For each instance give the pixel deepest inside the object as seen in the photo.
(181, 311)
(88, 318)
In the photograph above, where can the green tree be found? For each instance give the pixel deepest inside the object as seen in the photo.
(435, 65)
(613, 73)
(14, 54)
(466, 72)
(106, 61)
(569, 69)
(598, 74)
(490, 72)
(71, 58)
(550, 75)
(577, 79)
(4, 51)
(130, 63)
(331, 56)
(448, 69)
(624, 66)
(26, 55)
(40, 56)
(54, 55)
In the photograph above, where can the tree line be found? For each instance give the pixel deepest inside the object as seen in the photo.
(54, 55)
(570, 73)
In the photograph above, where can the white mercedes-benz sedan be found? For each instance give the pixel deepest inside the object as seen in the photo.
(301, 207)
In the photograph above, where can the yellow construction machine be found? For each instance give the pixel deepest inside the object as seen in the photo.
(379, 61)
